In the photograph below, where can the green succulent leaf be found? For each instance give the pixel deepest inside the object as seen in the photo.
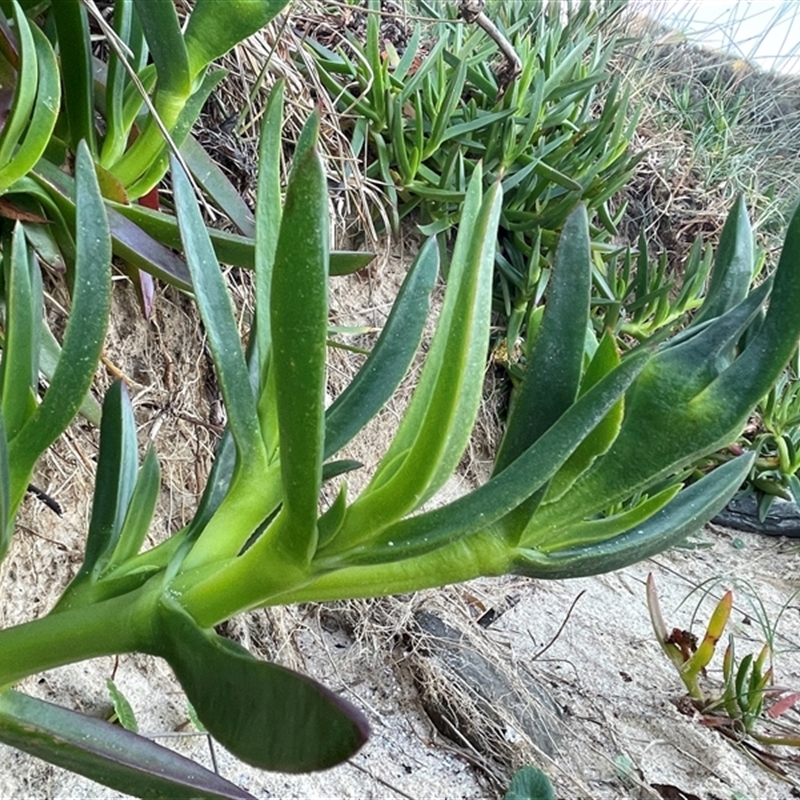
(116, 479)
(85, 333)
(27, 79)
(6, 511)
(530, 784)
(217, 186)
(213, 30)
(216, 311)
(391, 356)
(162, 29)
(682, 516)
(139, 512)
(438, 421)
(108, 754)
(264, 714)
(299, 324)
(19, 372)
(43, 116)
(733, 268)
(72, 26)
(558, 349)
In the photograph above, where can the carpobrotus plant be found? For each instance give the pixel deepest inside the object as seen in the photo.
(587, 479)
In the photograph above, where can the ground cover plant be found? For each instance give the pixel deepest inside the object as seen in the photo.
(147, 86)
(420, 116)
(568, 495)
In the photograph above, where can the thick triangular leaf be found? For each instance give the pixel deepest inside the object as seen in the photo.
(689, 511)
(559, 345)
(391, 356)
(733, 266)
(85, 333)
(264, 714)
(106, 753)
(116, 478)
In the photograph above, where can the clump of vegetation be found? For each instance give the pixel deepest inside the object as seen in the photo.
(554, 126)
(748, 707)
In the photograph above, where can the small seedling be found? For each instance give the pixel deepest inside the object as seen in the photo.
(749, 704)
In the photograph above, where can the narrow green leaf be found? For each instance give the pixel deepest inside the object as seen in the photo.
(558, 347)
(72, 27)
(732, 272)
(27, 79)
(130, 241)
(439, 419)
(49, 356)
(139, 511)
(106, 753)
(391, 356)
(43, 117)
(85, 333)
(600, 439)
(488, 504)
(6, 511)
(18, 371)
(116, 479)
(687, 513)
(162, 30)
(268, 221)
(216, 311)
(299, 320)
(155, 162)
(215, 183)
(122, 708)
(266, 715)
(578, 534)
(117, 133)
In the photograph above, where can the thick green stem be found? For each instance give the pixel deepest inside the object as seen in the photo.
(244, 585)
(120, 625)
